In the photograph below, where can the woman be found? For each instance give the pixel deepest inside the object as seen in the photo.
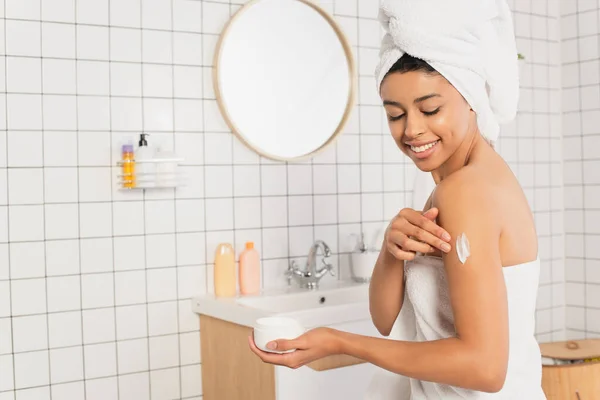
(464, 275)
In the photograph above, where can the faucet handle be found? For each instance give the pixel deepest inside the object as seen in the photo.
(329, 268)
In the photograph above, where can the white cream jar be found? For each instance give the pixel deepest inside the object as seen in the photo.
(269, 329)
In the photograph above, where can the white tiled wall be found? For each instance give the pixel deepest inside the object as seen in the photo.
(581, 130)
(94, 281)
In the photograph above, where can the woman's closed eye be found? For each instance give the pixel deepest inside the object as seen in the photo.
(393, 118)
(429, 113)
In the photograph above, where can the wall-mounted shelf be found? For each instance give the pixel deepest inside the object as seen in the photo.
(156, 173)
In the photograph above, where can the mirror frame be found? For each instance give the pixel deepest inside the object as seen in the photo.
(351, 76)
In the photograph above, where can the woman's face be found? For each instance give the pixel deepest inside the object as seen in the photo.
(428, 118)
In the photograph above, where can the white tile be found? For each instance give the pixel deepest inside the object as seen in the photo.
(190, 248)
(301, 238)
(64, 293)
(189, 146)
(23, 38)
(190, 215)
(24, 75)
(97, 253)
(97, 290)
(68, 391)
(125, 44)
(94, 149)
(96, 221)
(588, 48)
(324, 179)
(214, 17)
(24, 111)
(98, 325)
(162, 318)
(94, 12)
(349, 26)
(22, 9)
(26, 223)
(64, 329)
(95, 185)
(160, 217)
(188, 115)
(128, 218)
(219, 215)
(30, 333)
(58, 10)
(135, 386)
(27, 260)
(59, 148)
(348, 149)
(162, 284)
(247, 179)
(346, 7)
(60, 185)
(349, 208)
(213, 119)
(371, 149)
(66, 365)
(347, 181)
(26, 186)
(100, 360)
(5, 293)
(102, 389)
(273, 180)
(31, 369)
(62, 257)
(93, 113)
(160, 251)
(58, 40)
(189, 348)
(218, 148)
(125, 13)
(325, 209)
(126, 114)
(187, 15)
(158, 80)
(187, 48)
(129, 253)
(130, 287)
(164, 351)
(125, 79)
(92, 43)
(589, 124)
(593, 320)
(4, 263)
(156, 14)
(191, 281)
(131, 322)
(167, 384)
(61, 221)
(247, 212)
(274, 211)
(591, 172)
(6, 341)
(590, 97)
(6, 367)
(276, 243)
(368, 33)
(158, 115)
(301, 210)
(157, 47)
(218, 181)
(299, 176)
(4, 224)
(191, 385)
(371, 178)
(93, 77)
(60, 112)
(133, 356)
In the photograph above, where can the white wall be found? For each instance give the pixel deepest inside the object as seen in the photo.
(581, 130)
(94, 281)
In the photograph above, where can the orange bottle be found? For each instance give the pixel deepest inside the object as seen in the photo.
(225, 271)
(249, 270)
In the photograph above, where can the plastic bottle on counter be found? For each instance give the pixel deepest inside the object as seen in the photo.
(225, 282)
(249, 270)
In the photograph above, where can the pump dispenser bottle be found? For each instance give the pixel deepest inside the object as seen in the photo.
(143, 155)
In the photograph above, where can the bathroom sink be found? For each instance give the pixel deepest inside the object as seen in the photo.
(340, 302)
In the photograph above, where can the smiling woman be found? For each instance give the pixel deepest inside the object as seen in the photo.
(469, 320)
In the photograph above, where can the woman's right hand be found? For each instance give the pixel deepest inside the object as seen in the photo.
(412, 231)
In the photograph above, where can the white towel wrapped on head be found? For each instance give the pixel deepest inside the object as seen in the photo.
(469, 42)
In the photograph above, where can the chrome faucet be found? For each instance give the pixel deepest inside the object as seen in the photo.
(309, 276)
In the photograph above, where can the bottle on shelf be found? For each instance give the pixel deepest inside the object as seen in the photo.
(128, 166)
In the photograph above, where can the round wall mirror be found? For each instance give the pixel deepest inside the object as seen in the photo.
(284, 78)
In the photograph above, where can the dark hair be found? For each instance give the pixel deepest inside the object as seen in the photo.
(408, 63)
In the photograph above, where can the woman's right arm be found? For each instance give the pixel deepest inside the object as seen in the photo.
(409, 232)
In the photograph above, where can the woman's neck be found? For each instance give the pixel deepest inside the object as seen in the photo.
(460, 158)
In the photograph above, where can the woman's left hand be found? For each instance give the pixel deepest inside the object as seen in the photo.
(313, 345)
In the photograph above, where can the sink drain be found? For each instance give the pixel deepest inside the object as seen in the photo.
(322, 300)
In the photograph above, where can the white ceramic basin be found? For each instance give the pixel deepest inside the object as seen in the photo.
(340, 302)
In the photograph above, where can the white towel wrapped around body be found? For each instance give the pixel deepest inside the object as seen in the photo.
(469, 42)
